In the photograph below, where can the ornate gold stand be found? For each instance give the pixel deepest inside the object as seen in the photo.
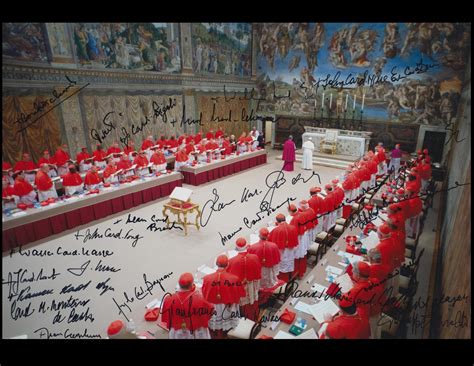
(176, 208)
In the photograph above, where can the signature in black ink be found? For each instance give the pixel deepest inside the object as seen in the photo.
(212, 205)
(39, 107)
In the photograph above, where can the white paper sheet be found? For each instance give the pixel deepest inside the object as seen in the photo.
(378, 221)
(156, 303)
(303, 307)
(371, 241)
(325, 306)
(181, 194)
(309, 334)
(322, 329)
(345, 282)
(383, 216)
(335, 270)
(283, 335)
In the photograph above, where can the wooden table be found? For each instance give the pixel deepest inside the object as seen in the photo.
(177, 211)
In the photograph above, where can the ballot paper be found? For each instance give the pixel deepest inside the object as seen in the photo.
(325, 306)
(322, 329)
(371, 241)
(383, 216)
(20, 213)
(206, 270)
(334, 270)
(345, 282)
(309, 334)
(283, 335)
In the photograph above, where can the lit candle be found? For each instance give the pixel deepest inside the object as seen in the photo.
(347, 99)
(322, 102)
(315, 102)
(355, 98)
(363, 99)
(330, 101)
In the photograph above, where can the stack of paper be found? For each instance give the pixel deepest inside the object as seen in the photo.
(352, 257)
(303, 307)
(319, 288)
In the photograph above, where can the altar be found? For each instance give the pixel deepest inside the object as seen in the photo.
(353, 143)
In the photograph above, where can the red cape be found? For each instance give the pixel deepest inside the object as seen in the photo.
(43, 181)
(147, 144)
(289, 151)
(124, 164)
(61, 157)
(141, 161)
(108, 171)
(72, 179)
(22, 187)
(267, 252)
(158, 158)
(25, 165)
(46, 161)
(99, 155)
(246, 267)
(92, 178)
(284, 236)
(186, 310)
(222, 287)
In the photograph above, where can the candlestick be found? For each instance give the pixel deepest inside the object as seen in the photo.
(322, 101)
(315, 103)
(347, 99)
(363, 99)
(355, 98)
(330, 101)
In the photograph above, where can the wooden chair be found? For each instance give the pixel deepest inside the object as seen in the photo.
(337, 231)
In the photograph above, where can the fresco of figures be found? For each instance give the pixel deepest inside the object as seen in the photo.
(222, 48)
(24, 42)
(402, 72)
(132, 46)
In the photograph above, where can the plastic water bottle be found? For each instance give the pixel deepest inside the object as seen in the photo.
(331, 278)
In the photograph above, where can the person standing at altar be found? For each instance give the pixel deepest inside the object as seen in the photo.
(248, 269)
(395, 156)
(224, 291)
(289, 155)
(308, 149)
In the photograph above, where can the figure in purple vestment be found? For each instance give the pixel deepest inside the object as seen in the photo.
(289, 154)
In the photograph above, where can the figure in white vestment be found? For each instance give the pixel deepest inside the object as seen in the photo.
(308, 148)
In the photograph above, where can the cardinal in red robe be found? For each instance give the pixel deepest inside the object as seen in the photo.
(248, 269)
(44, 184)
(25, 164)
(92, 179)
(285, 236)
(24, 190)
(210, 134)
(147, 143)
(186, 313)
(224, 290)
(269, 256)
(72, 181)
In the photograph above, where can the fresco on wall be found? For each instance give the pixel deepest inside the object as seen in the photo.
(402, 72)
(24, 42)
(132, 46)
(222, 48)
(59, 41)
